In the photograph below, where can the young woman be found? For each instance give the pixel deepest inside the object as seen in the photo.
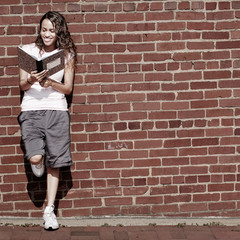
(44, 118)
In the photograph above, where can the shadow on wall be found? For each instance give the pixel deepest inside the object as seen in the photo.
(37, 187)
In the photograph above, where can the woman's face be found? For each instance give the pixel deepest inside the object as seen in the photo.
(48, 35)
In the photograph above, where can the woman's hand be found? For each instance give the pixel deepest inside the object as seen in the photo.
(37, 77)
(46, 83)
(26, 81)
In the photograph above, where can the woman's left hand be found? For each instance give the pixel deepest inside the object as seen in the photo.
(46, 83)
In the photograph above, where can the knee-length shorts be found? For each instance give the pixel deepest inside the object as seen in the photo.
(47, 133)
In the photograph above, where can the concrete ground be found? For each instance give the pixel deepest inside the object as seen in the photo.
(122, 229)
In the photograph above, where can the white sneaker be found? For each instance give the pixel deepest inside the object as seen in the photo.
(38, 169)
(50, 221)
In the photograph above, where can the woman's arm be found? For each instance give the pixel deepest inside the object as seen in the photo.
(26, 82)
(67, 86)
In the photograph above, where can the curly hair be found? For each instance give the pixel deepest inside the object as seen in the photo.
(64, 40)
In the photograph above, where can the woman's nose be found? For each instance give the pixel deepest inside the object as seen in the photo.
(47, 34)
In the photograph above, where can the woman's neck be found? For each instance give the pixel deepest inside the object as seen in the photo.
(48, 49)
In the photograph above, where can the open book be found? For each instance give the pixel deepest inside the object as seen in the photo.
(52, 63)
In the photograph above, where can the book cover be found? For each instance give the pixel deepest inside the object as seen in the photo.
(52, 63)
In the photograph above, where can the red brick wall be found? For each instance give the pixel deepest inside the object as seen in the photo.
(155, 110)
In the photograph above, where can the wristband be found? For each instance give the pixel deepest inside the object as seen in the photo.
(29, 82)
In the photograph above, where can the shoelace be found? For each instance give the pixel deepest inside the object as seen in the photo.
(38, 166)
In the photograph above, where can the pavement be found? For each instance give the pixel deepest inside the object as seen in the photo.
(121, 233)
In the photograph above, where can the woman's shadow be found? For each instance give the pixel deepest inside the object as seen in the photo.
(37, 187)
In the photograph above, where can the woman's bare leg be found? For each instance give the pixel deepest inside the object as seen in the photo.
(52, 185)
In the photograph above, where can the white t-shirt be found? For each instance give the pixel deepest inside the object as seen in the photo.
(38, 97)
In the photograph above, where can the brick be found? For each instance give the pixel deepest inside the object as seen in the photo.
(215, 35)
(169, 26)
(175, 86)
(105, 211)
(106, 173)
(116, 107)
(100, 99)
(190, 95)
(111, 48)
(193, 151)
(226, 25)
(191, 114)
(99, 59)
(200, 26)
(143, 6)
(118, 164)
(127, 58)
(187, 76)
(165, 208)
(165, 171)
(148, 144)
(135, 191)
(220, 15)
(135, 172)
(89, 146)
(129, 17)
(211, 5)
(157, 17)
(227, 44)
(140, 27)
(177, 143)
(110, 27)
(127, 38)
(73, 7)
(230, 196)
(194, 207)
(119, 145)
(129, 78)
(149, 200)
(235, 5)
(141, 47)
(115, 88)
(177, 198)
(219, 132)
(223, 169)
(222, 205)
(118, 201)
(140, 182)
(155, 6)
(221, 150)
(87, 202)
(194, 170)
(189, 16)
(203, 85)
(175, 161)
(156, 36)
(205, 141)
(75, 212)
(187, 56)
(217, 75)
(92, 38)
(98, 17)
(204, 103)
(200, 45)
(170, 46)
(101, 7)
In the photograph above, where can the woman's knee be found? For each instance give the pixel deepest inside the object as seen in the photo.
(36, 159)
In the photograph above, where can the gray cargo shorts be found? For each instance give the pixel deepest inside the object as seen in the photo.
(47, 133)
